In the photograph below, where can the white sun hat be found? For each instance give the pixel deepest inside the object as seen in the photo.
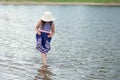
(47, 17)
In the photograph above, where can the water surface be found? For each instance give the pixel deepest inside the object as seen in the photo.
(86, 45)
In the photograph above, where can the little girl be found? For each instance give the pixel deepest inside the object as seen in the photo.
(45, 30)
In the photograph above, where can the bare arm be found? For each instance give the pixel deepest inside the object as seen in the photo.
(37, 27)
(53, 29)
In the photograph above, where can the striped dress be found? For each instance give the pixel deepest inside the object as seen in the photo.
(43, 42)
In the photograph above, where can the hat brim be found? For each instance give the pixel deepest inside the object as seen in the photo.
(47, 19)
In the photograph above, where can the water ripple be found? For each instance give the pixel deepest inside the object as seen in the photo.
(86, 45)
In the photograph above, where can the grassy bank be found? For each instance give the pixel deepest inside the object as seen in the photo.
(96, 1)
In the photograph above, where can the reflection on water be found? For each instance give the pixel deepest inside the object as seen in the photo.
(44, 73)
(86, 45)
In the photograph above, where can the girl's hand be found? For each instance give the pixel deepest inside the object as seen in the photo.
(50, 35)
(38, 32)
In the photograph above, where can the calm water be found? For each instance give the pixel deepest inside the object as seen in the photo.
(86, 45)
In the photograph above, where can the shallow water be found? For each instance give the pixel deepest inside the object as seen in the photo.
(86, 45)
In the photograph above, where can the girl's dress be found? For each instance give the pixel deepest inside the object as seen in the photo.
(43, 42)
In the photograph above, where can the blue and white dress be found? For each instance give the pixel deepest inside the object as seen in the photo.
(43, 42)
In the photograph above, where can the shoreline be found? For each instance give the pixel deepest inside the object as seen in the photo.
(59, 3)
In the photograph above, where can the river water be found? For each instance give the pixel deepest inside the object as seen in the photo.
(86, 45)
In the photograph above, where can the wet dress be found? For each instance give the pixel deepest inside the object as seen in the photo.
(43, 42)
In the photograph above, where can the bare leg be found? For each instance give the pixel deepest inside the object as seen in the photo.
(44, 60)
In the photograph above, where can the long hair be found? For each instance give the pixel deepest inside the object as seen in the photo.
(43, 22)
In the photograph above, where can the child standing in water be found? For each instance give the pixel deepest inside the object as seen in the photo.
(45, 30)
